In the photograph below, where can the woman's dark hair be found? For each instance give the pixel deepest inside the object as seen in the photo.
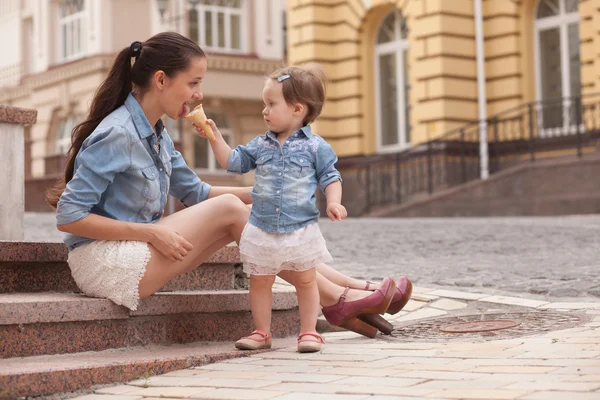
(169, 52)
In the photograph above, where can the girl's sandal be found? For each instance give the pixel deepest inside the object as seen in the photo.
(310, 345)
(250, 343)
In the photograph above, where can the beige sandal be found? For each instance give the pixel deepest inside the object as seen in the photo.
(310, 345)
(249, 343)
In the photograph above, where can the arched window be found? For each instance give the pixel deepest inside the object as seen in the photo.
(557, 59)
(392, 85)
(63, 133)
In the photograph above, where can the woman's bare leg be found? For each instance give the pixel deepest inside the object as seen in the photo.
(341, 279)
(329, 292)
(208, 226)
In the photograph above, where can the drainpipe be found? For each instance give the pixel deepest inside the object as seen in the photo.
(481, 96)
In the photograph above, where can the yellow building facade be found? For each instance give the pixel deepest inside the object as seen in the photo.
(403, 72)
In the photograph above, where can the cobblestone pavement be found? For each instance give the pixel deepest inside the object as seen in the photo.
(557, 363)
(549, 257)
(553, 257)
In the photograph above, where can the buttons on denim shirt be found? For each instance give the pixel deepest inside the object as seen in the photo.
(279, 191)
(277, 209)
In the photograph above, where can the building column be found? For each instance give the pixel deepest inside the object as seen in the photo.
(589, 12)
(443, 65)
(12, 163)
(329, 34)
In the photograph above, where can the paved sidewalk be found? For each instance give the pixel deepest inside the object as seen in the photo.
(553, 353)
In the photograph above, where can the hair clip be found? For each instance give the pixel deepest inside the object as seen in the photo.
(283, 78)
(136, 49)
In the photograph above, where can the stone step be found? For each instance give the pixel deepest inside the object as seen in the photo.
(62, 373)
(54, 323)
(42, 267)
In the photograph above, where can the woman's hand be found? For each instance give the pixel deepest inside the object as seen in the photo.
(336, 211)
(212, 124)
(169, 243)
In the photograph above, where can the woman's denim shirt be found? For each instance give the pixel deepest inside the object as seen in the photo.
(286, 178)
(119, 175)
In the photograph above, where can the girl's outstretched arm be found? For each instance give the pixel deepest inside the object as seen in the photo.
(219, 146)
(335, 209)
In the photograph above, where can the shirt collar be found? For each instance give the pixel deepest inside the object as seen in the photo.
(139, 118)
(305, 129)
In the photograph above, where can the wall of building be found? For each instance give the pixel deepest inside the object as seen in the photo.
(590, 45)
(10, 62)
(58, 89)
(442, 74)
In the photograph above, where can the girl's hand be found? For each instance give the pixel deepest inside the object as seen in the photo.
(212, 124)
(170, 243)
(336, 211)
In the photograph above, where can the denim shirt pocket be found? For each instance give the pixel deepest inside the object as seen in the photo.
(301, 165)
(151, 187)
(263, 165)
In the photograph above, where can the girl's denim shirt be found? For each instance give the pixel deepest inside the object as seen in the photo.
(286, 178)
(119, 175)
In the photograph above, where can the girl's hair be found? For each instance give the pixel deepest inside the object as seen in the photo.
(306, 85)
(169, 52)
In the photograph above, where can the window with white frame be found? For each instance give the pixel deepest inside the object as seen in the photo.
(557, 59)
(173, 128)
(63, 133)
(218, 25)
(392, 84)
(72, 29)
(204, 157)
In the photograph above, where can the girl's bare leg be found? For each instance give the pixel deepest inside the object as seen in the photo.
(261, 302)
(308, 299)
(208, 226)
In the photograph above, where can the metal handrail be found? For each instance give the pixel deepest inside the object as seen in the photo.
(515, 135)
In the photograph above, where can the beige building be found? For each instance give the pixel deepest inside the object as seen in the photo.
(403, 72)
(60, 51)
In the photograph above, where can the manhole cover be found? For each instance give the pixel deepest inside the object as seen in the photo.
(492, 326)
(481, 326)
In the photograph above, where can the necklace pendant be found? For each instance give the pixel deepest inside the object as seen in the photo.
(157, 147)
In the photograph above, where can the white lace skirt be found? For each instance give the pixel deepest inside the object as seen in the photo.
(110, 269)
(266, 253)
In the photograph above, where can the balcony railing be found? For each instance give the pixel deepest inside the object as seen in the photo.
(10, 75)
